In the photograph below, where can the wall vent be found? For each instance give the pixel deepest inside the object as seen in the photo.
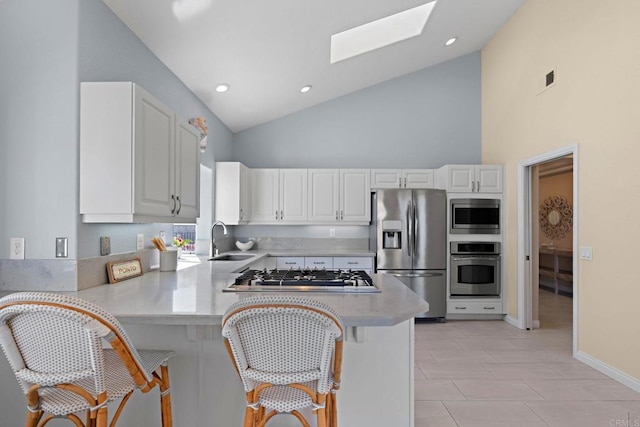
(548, 79)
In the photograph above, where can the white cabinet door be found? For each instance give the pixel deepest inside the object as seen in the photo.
(386, 178)
(293, 195)
(154, 157)
(460, 179)
(418, 178)
(474, 178)
(489, 178)
(318, 262)
(474, 307)
(265, 200)
(138, 161)
(232, 193)
(402, 178)
(355, 195)
(324, 195)
(353, 263)
(187, 172)
(289, 262)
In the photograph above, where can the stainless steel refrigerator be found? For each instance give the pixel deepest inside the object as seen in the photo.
(410, 229)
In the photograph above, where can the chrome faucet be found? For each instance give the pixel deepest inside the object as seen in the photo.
(213, 251)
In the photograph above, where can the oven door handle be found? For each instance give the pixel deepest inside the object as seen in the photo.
(475, 257)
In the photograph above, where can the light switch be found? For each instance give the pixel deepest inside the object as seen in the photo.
(62, 247)
(586, 253)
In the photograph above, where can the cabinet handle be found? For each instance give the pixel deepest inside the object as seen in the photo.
(179, 205)
(290, 263)
(336, 215)
(281, 215)
(341, 215)
(405, 182)
(173, 210)
(276, 215)
(318, 262)
(488, 308)
(461, 308)
(353, 262)
(400, 182)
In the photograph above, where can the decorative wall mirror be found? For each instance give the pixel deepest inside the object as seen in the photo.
(556, 217)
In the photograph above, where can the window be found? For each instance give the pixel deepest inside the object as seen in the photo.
(185, 233)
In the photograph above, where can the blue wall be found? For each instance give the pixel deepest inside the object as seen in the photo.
(421, 120)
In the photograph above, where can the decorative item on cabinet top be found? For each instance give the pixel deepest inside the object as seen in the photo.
(200, 123)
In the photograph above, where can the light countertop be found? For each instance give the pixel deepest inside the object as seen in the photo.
(193, 296)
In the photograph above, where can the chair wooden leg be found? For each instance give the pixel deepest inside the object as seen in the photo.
(334, 409)
(250, 414)
(165, 398)
(33, 418)
(321, 414)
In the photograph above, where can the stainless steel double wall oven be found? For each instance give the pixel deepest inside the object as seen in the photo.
(475, 269)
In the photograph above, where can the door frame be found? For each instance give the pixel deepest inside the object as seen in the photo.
(525, 291)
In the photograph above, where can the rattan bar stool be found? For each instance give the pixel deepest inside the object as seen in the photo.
(288, 353)
(54, 346)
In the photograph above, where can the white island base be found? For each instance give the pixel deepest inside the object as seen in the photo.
(376, 389)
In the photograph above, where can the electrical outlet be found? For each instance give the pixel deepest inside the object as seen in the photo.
(163, 235)
(105, 245)
(332, 232)
(139, 242)
(16, 250)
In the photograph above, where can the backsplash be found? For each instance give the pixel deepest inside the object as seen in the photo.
(38, 275)
(278, 243)
(68, 275)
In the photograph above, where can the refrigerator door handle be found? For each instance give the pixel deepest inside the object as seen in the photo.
(409, 230)
(415, 228)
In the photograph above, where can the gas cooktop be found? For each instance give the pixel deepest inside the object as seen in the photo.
(303, 280)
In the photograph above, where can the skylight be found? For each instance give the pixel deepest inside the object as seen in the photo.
(380, 33)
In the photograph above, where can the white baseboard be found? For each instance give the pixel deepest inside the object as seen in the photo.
(610, 371)
(513, 321)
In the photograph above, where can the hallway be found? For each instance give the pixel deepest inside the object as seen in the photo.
(488, 373)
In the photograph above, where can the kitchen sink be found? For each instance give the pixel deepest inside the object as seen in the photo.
(231, 257)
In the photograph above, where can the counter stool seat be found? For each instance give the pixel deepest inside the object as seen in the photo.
(54, 345)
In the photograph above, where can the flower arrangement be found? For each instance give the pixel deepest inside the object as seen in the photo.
(180, 242)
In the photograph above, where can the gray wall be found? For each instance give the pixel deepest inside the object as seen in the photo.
(109, 51)
(421, 120)
(46, 49)
(38, 124)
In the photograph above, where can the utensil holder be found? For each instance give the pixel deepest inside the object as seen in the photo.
(168, 260)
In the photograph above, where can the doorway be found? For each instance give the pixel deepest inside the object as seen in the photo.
(530, 242)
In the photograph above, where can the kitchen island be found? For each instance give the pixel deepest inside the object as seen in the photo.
(183, 310)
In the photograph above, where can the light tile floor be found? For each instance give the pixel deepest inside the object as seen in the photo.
(488, 373)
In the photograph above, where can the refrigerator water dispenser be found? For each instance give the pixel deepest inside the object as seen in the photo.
(391, 234)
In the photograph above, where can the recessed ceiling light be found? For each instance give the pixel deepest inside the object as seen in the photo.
(306, 88)
(451, 41)
(222, 88)
(380, 33)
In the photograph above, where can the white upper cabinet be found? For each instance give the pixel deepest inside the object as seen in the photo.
(278, 196)
(402, 178)
(138, 161)
(232, 193)
(339, 196)
(472, 178)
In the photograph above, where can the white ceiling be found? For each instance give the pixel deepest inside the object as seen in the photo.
(268, 49)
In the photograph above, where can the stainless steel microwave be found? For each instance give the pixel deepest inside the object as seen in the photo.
(475, 216)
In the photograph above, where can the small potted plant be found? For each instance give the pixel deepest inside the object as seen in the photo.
(180, 243)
